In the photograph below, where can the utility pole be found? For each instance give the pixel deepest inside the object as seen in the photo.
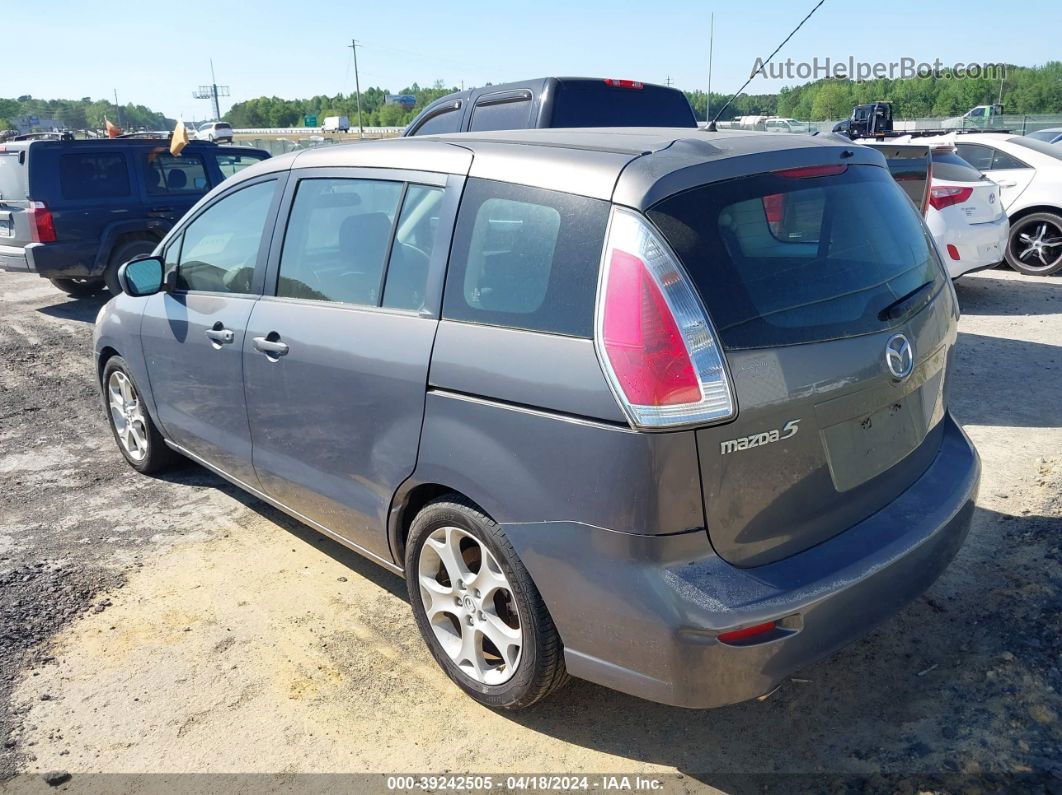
(667, 82)
(214, 90)
(357, 85)
(117, 108)
(711, 47)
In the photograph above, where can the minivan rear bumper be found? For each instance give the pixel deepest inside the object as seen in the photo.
(641, 614)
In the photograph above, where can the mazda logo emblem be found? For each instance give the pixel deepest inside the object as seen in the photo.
(899, 356)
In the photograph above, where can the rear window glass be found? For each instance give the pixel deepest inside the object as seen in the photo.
(93, 176)
(595, 104)
(12, 176)
(781, 261)
(949, 166)
(525, 258)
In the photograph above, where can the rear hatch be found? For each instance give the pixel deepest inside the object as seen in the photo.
(808, 276)
(958, 184)
(14, 190)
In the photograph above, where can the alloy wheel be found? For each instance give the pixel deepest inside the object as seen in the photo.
(127, 415)
(1039, 245)
(470, 605)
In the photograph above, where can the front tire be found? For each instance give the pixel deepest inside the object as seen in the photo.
(477, 608)
(138, 439)
(1035, 244)
(78, 288)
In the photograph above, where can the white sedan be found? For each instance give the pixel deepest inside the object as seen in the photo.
(1029, 175)
(965, 215)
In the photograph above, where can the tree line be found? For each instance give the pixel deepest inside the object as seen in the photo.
(81, 114)
(1036, 89)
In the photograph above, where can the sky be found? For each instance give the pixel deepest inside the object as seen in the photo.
(154, 57)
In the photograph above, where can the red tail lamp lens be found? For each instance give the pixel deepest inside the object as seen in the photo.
(642, 340)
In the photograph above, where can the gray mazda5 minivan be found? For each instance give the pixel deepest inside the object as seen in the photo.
(666, 410)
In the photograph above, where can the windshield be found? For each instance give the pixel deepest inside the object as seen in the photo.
(1042, 147)
(781, 261)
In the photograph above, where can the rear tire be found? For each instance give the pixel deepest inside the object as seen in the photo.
(121, 255)
(78, 288)
(134, 431)
(501, 646)
(1035, 244)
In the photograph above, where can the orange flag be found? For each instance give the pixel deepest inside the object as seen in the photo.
(113, 130)
(179, 139)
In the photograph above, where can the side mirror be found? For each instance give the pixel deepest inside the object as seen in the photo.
(141, 277)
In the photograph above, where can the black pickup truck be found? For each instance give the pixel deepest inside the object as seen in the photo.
(555, 102)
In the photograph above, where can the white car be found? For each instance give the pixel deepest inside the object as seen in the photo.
(965, 215)
(214, 131)
(1029, 175)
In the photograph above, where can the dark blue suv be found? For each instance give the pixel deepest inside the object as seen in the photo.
(73, 211)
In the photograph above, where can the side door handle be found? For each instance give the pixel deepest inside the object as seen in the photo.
(271, 345)
(219, 335)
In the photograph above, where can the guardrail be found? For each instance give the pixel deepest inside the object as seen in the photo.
(353, 131)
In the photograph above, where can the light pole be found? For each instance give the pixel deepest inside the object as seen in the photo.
(357, 85)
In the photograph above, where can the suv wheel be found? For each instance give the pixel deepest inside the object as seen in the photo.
(136, 434)
(1035, 245)
(477, 608)
(79, 288)
(122, 254)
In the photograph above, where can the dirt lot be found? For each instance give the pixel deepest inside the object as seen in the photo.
(177, 625)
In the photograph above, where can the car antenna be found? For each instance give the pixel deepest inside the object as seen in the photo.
(711, 124)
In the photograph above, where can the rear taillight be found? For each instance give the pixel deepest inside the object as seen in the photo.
(42, 225)
(941, 196)
(653, 338)
(623, 83)
(953, 252)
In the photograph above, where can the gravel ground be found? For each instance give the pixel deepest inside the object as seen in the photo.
(179, 625)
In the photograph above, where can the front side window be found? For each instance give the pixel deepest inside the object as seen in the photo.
(166, 174)
(337, 241)
(525, 258)
(93, 176)
(782, 261)
(446, 121)
(231, 164)
(221, 245)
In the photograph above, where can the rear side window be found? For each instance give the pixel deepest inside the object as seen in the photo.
(93, 175)
(951, 167)
(525, 258)
(978, 156)
(338, 238)
(166, 174)
(1001, 160)
(510, 113)
(782, 261)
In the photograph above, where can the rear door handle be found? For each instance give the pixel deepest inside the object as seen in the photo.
(220, 335)
(271, 345)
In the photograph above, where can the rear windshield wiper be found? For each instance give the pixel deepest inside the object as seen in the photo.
(905, 303)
